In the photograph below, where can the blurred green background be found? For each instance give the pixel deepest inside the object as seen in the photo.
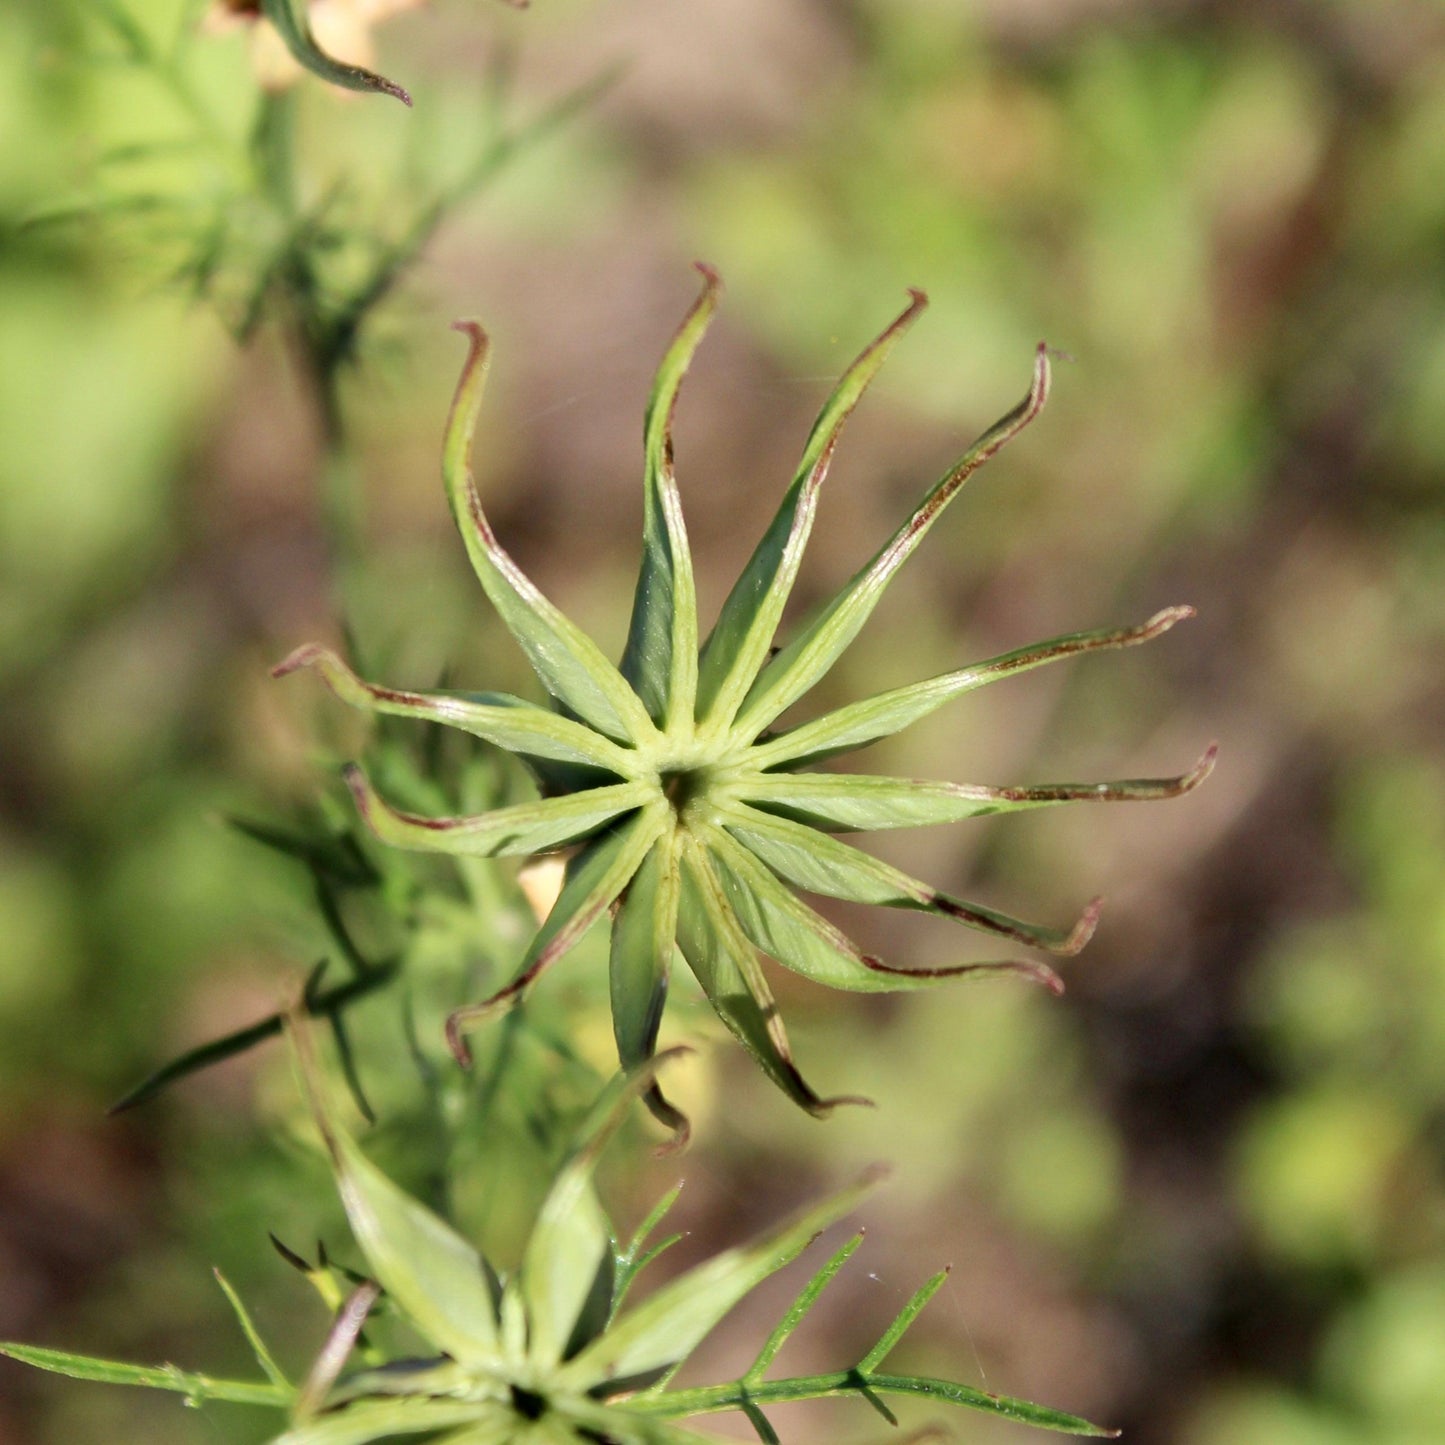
(1203, 1196)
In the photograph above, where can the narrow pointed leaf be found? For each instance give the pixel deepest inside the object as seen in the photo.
(823, 864)
(368, 1421)
(798, 1311)
(674, 1321)
(295, 32)
(572, 1239)
(1042, 1417)
(880, 1406)
(661, 656)
(643, 934)
(319, 1005)
(335, 857)
(152, 1377)
(808, 657)
(726, 965)
(858, 802)
(568, 662)
(595, 879)
(711, 1398)
(627, 1273)
(201, 1057)
(537, 827)
(802, 940)
(762, 1426)
(508, 722)
(638, 1255)
(739, 643)
(901, 1324)
(860, 723)
(350, 1072)
(428, 1269)
(264, 1357)
(650, 1224)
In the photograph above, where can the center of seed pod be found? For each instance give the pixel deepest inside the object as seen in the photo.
(685, 788)
(527, 1404)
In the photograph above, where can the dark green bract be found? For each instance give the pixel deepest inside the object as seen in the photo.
(691, 818)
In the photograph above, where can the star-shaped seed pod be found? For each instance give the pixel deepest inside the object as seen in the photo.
(558, 1351)
(697, 825)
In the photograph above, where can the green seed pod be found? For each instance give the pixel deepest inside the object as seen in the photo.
(693, 822)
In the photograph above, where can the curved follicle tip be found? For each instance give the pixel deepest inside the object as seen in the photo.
(1083, 930)
(1162, 621)
(303, 656)
(1200, 770)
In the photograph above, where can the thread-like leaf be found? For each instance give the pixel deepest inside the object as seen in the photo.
(264, 1357)
(537, 827)
(329, 1004)
(798, 1310)
(627, 1272)
(762, 1426)
(295, 31)
(333, 857)
(672, 1322)
(628, 1259)
(809, 656)
(901, 1324)
(858, 724)
(660, 660)
(858, 802)
(635, 1258)
(739, 643)
(824, 864)
(569, 664)
(508, 722)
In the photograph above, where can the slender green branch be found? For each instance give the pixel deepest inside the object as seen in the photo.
(709, 1399)
(154, 1377)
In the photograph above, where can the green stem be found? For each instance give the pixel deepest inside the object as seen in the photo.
(162, 1377)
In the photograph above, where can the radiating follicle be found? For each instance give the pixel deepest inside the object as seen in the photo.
(693, 826)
